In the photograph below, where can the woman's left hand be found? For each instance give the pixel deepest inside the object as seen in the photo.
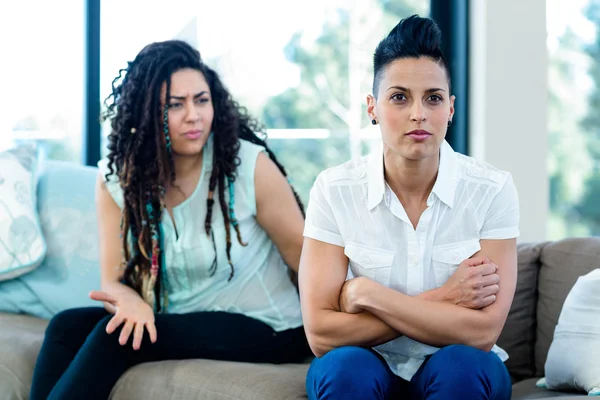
(350, 294)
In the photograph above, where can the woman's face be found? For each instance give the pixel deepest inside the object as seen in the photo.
(190, 111)
(413, 107)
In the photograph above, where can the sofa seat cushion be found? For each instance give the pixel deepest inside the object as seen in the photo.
(21, 337)
(527, 390)
(211, 380)
(20, 341)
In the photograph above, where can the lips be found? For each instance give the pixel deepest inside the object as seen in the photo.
(419, 135)
(195, 134)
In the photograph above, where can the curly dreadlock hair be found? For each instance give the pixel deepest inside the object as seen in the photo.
(140, 156)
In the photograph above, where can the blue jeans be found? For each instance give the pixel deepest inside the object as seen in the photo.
(453, 372)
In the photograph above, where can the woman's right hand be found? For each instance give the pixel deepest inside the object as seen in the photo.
(474, 284)
(133, 313)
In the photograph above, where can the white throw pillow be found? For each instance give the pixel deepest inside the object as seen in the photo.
(574, 357)
(22, 246)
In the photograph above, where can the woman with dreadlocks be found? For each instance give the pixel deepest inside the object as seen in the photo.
(198, 227)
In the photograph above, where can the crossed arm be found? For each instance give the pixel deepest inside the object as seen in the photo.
(471, 308)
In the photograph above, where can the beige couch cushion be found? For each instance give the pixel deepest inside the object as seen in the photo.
(518, 335)
(20, 341)
(211, 380)
(562, 263)
(21, 338)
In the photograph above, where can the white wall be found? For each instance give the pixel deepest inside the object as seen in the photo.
(508, 100)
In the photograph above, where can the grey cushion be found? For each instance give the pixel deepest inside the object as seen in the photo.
(20, 341)
(562, 263)
(526, 390)
(518, 335)
(211, 380)
(21, 337)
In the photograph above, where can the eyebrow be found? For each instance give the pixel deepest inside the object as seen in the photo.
(183, 97)
(432, 90)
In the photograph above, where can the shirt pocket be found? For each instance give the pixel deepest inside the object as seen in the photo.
(372, 262)
(447, 257)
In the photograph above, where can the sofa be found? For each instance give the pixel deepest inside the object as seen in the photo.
(547, 271)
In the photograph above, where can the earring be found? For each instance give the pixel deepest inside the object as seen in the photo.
(166, 128)
(374, 121)
(449, 122)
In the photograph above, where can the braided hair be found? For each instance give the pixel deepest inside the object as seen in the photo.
(139, 153)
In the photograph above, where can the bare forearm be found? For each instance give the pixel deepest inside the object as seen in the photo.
(432, 295)
(334, 329)
(433, 322)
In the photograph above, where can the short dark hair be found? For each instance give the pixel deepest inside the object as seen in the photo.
(412, 37)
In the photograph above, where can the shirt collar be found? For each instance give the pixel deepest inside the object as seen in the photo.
(447, 179)
(444, 187)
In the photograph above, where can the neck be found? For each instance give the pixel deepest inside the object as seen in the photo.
(187, 166)
(411, 180)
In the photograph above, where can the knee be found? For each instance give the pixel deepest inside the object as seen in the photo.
(460, 366)
(348, 372)
(64, 323)
(74, 325)
(461, 357)
(459, 372)
(337, 360)
(99, 331)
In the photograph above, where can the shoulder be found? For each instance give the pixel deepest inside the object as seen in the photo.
(349, 173)
(480, 172)
(248, 156)
(106, 174)
(485, 185)
(249, 151)
(111, 181)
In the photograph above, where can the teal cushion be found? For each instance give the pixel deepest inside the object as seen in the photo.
(71, 267)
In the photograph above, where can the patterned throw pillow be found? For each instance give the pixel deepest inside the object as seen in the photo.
(22, 245)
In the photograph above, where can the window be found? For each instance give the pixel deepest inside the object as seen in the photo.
(302, 68)
(573, 122)
(43, 78)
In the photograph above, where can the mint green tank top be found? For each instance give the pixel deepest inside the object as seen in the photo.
(260, 287)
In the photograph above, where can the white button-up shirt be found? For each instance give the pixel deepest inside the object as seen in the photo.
(352, 206)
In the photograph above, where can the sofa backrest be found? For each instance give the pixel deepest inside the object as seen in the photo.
(518, 335)
(66, 204)
(547, 272)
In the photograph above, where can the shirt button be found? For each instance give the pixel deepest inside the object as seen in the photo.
(365, 260)
(473, 171)
(456, 257)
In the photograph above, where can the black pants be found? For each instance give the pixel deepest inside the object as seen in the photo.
(79, 360)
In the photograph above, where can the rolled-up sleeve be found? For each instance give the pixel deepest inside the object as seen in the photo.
(502, 218)
(320, 221)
